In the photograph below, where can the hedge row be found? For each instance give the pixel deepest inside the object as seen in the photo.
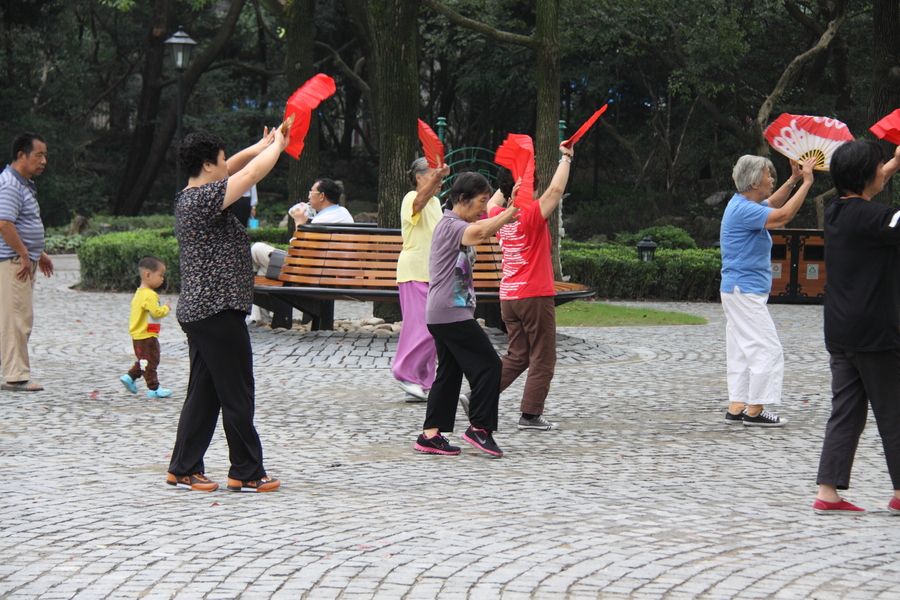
(108, 262)
(615, 272)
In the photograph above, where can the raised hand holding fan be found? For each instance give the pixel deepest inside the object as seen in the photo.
(432, 147)
(800, 137)
(888, 128)
(300, 106)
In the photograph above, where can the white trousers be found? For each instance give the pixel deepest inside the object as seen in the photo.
(754, 355)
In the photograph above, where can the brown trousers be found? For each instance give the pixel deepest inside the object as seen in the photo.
(146, 349)
(16, 320)
(531, 327)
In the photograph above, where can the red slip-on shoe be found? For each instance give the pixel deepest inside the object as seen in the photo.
(894, 506)
(841, 507)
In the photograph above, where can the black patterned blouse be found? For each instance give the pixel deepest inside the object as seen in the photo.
(216, 268)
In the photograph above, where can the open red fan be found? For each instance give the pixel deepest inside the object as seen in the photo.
(516, 153)
(888, 128)
(300, 106)
(432, 147)
(585, 126)
(800, 137)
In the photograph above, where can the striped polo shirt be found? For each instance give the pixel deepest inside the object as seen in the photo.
(18, 205)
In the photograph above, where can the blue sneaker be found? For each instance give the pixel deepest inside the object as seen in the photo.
(159, 393)
(128, 382)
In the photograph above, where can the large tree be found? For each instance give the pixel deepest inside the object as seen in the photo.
(389, 28)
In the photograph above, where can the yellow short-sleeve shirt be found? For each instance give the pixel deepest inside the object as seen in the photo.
(417, 231)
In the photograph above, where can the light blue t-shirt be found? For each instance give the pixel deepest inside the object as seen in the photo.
(746, 246)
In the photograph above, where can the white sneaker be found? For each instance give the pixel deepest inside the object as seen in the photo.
(413, 389)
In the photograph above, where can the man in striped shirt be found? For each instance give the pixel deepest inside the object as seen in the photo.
(21, 254)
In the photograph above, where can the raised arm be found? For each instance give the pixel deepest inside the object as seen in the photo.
(549, 200)
(256, 169)
(780, 196)
(481, 231)
(430, 189)
(781, 216)
(893, 165)
(239, 161)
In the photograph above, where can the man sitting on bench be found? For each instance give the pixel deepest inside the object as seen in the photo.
(323, 208)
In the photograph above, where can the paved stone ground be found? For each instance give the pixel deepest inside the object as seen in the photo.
(643, 492)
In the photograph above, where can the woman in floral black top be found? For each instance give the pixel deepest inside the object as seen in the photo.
(216, 295)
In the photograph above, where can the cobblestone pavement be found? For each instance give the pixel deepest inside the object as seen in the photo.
(642, 492)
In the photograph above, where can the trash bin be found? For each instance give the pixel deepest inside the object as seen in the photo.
(798, 266)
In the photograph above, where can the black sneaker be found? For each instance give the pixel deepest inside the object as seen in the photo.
(763, 419)
(734, 419)
(538, 423)
(435, 445)
(483, 440)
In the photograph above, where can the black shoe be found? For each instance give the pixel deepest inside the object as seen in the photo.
(763, 419)
(734, 419)
(435, 445)
(483, 440)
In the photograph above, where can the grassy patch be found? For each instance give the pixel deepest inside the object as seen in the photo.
(598, 314)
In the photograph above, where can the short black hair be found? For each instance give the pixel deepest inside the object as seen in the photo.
(197, 148)
(505, 182)
(24, 142)
(331, 189)
(854, 164)
(150, 263)
(467, 186)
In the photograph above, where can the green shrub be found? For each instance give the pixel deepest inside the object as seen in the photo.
(62, 244)
(270, 235)
(109, 262)
(666, 236)
(615, 272)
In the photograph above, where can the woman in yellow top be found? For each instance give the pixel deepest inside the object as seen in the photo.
(414, 362)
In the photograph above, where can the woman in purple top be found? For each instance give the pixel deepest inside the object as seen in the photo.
(462, 346)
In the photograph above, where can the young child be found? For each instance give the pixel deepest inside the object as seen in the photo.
(143, 326)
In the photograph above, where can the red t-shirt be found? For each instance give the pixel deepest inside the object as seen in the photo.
(527, 267)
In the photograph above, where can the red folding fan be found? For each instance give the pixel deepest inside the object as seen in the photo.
(800, 137)
(300, 106)
(516, 153)
(432, 147)
(888, 128)
(585, 127)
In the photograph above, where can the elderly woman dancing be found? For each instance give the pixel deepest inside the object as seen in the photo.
(463, 348)
(754, 355)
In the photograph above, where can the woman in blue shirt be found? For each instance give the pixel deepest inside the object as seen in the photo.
(755, 362)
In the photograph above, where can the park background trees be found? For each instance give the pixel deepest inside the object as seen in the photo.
(689, 86)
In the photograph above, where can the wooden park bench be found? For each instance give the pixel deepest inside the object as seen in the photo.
(338, 262)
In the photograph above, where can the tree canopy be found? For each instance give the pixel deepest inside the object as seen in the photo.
(690, 85)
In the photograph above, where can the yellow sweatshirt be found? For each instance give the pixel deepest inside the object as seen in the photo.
(145, 314)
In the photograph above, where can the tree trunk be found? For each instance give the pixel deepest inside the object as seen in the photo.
(546, 143)
(391, 29)
(298, 67)
(163, 138)
(885, 68)
(148, 104)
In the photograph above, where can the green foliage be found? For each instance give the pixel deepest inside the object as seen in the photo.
(62, 244)
(665, 236)
(615, 272)
(270, 235)
(109, 262)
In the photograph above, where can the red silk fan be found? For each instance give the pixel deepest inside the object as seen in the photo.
(516, 153)
(585, 127)
(800, 137)
(432, 147)
(888, 128)
(300, 106)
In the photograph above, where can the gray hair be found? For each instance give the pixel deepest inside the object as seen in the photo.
(417, 167)
(748, 171)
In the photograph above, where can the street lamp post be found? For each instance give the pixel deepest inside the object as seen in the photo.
(182, 45)
(646, 248)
